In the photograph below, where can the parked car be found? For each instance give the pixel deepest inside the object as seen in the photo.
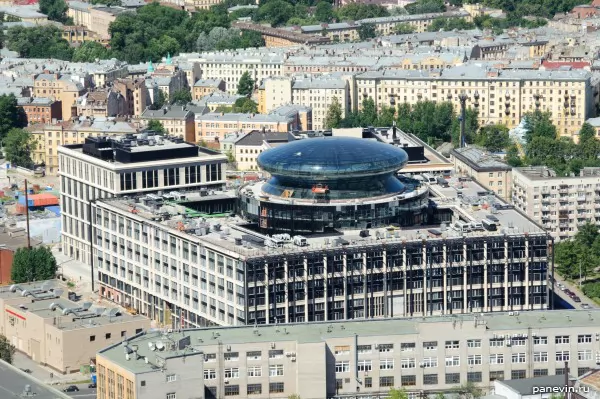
(92, 385)
(492, 218)
(572, 294)
(585, 306)
(568, 291)
(26, 371)
(576, 298)
(71, 388)
(561, 286)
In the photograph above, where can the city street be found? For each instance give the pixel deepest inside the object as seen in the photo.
(576, 290)
(83, 393)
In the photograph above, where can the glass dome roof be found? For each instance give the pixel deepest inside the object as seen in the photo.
(332, 157)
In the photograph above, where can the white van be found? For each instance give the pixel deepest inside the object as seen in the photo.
(462, 227)
(429, 178)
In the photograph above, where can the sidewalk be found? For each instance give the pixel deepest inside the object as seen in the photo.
(44, 373)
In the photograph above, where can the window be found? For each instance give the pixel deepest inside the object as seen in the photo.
(254, 371)
(210, 374)
(430, 379)
(473, 343)
(407, 363)
(497, 358)
(518, 342)
(584, 339)
(496, 342)
(474, 376)
(232, 390)
(430, 345)
(368, 382)
(582, 370)
(254, 355)
(275, 370)
(474, 360)
(386, 348)
(408, 380)
(540, 340)
(429, 362)
(584, 354)
(518, 357)
(518, 374)
(254, 389)
(452, 361)
(231, 356)
(540, 357)
(407, 347)
(361, 349)
(232, 372)
(171, 395)
(561, 339)
(540, 372)
(452, 344)
(364, 365)
(275, 387)
(386, 364)
(107, 335)
(496, 375)
(562, 356)
(386, 381)
(342, 367)
(452, 378)
(276, 354)
(171, 378)
(92, 338)
(342, 350)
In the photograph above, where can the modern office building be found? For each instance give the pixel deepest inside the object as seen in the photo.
(58, 333)
(105, 167)
(559, 204)
(388, 247)
(351, 359)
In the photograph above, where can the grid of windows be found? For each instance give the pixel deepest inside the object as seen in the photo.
(430, 345)
(474, 360)
(254, 389)
(540, 340)
(497, 375)
(452, 361)
(275, 370)
(518, 374)
(429, 362)
(540, 357)
(585, 354)
(386, 381)
(386, 364)
(452, 378)
(497, 358)
(232, 390)
(276, 387)
(364, 365)
(518, 357)
(563, 356)
(473, 343)
(540, 372)
(584, 339)
(474, 376)
(408, 380)
(430, 379)
(341, 367)
(561, 339)
(408, 363)
(452, 344)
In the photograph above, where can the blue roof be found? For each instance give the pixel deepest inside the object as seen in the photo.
(332, 157)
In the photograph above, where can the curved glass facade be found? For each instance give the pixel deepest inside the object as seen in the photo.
(331, 158)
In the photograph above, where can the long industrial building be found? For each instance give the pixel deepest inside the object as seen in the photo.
(350, 359)
(293, 250)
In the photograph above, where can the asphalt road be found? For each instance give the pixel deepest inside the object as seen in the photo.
(83, 393)
(13, 382)
(576, 290)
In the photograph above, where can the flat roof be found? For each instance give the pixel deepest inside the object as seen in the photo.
(479, 160)
(314, 332)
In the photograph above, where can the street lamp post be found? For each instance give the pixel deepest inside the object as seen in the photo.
(462, 97)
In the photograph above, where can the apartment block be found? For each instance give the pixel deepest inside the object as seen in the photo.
(58, 333)
(204, 87)
(500, 96)
(177, 120)
(154, 163)
(560, 204)
(485, 168)
(214, 126)
(40, 110)
(102, 103)
(246, 148)
(50, 136)
(136, 94)
(358, 359)
(57, 87)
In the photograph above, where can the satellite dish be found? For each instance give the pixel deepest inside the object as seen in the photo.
(151, 346)
(160, 346)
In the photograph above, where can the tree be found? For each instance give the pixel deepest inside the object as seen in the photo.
(586, 133)
(159, 100)
(90, 51)
(334, 114)
(245, 106)
(366, 31)
(448, 24)
(11, 115)
(512, 156)
(18, 145)
(245, 85)
(404, 28)
(397, 394)
(33, 264)
(181, 96)
(39, 42)
(539, 124)
(493, 137)
(56, 10)
(156, 126)
(471, 126)
(357, 11)
(230, 157)
(324, 11)
(368, 114)
(275, 12)
(426, 7)
(469, 391)
(7, 350)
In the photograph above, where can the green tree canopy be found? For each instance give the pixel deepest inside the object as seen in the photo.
(513, 158)
(181, 96)
(404, 28)
(397, 394)
(39, 42)
(245, 85)
(18, 145)
(586, 133)
(334, 114)
(11, 115)
(33, 264)
(426, 7)
(471, 126)
(160, 99)
(245, 105)
(275, 12)
(156, 126)
(580, 255)
(493, 137)
(448, 24)
(56, 10)
(91, 51)
(7, 350)
(324, 11)
(366, 31)
(356, 11)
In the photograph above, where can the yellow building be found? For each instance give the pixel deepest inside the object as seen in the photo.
(49, 137)
(501, 97)
(215, 126)
(59, 88)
